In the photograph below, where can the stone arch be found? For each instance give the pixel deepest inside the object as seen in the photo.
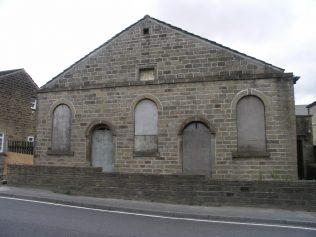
(148, 97)
(195, 119)
(59, 102)
(249, 91)
(261, 96)
(96, 123)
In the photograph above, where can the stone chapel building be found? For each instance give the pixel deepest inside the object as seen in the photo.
(157, 99)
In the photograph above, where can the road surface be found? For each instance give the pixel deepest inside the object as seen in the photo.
(26, 218)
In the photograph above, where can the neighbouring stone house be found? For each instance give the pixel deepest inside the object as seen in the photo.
(18, 105)
(304, 136)
(157, 99)
(312, 112)
(17, 108)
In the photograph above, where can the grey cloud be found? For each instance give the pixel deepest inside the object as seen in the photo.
(278, 32)
(235, 20)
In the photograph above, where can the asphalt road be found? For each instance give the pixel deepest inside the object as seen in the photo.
(35, 219)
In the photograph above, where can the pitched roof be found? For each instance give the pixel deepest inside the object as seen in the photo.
(3, 73)
(301, 110)
(174, 28)
(311, 104)
(15, 73)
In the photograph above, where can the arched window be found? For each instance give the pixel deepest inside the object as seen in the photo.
(251, 132)
(146, 128)
(61, 128)
(146, 118)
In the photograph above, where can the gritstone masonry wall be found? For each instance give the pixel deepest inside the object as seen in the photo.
(194, 80)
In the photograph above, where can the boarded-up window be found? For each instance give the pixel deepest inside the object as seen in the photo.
(146, 118)
(146, 128)
(146, 74)
(251, 125)
(61, 128)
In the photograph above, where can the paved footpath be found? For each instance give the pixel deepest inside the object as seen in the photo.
(220, 213)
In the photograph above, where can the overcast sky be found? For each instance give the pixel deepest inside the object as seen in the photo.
(46, 36)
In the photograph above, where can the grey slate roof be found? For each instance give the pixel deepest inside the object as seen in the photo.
(3, 73)
(301, 110)
(17, 73)
(311, 104)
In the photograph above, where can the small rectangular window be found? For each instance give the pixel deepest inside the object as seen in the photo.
(33, 103)
(146, 74)
(146, 31)
(30, 138)
(1, 141)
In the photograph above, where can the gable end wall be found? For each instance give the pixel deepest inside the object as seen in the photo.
(174, 54)
(195, 79)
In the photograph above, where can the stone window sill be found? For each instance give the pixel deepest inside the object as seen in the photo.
(63, 153)
(250, 154)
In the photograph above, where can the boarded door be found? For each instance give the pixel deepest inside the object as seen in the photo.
(196, 149)
(101, 149)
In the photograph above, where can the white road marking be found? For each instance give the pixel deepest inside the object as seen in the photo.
(162, 217)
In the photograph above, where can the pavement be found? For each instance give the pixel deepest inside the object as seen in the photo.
(219, 213)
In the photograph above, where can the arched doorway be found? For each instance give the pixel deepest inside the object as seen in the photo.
(196, 149)
(102, 148)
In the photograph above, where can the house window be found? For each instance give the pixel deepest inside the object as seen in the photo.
(61, 128)
(251, 132)
(30, 138)
(1, 142)
(33, 103)
(146, 128)
(146, 74)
